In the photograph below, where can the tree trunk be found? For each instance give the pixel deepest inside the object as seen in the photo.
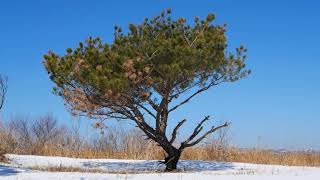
(172, 159)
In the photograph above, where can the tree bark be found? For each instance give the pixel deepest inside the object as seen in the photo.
(172, 159)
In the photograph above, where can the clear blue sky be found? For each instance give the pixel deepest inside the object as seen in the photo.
(279, 102)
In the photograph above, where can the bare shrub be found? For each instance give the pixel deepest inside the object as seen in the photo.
(45, 131)
(21, 132)
(7, 143)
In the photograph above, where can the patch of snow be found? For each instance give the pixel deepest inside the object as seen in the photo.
(191, 170)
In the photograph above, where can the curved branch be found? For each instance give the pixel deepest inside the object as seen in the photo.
(193, 95)
(213, 129)
(152, 104)
(214, 83)
(147, 110)
(175, 130)
(196, 131)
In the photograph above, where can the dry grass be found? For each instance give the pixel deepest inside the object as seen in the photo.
(298, 158)
(3, 148)
(96, 170)
(150, 152)
(2, 157)
(45, 137)
(67, 169)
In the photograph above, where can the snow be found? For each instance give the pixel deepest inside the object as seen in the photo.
(112, 169)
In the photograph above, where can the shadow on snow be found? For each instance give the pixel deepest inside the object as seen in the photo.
(145, 166)
(7, 171)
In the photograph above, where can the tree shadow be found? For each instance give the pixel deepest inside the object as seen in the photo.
(130, 167)
(155, 166)
(197, 165)
(7, 171)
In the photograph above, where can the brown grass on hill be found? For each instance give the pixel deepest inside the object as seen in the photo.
(45, 137)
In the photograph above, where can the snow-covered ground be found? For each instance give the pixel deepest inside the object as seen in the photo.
(111, 169)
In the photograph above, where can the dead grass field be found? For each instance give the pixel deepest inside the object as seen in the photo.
(45, 137)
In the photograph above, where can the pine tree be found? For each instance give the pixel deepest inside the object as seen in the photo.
(146, 74)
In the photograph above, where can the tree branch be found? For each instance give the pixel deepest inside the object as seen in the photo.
(193, 95)
(195, 39)
(196, 131)
(186, 38)
(213, 129)
(213, 83)
(177, 84)
(175, 131)
(147, 110)
(3, 89)
(152, 104)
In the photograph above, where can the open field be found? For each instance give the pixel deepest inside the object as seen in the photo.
(25, 167)
(21, 136)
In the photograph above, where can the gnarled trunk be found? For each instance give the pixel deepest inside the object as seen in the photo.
(172, 159)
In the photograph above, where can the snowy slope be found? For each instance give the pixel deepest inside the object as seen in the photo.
(146, 170)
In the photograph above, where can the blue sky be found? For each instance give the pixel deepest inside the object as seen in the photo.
(278, 104)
